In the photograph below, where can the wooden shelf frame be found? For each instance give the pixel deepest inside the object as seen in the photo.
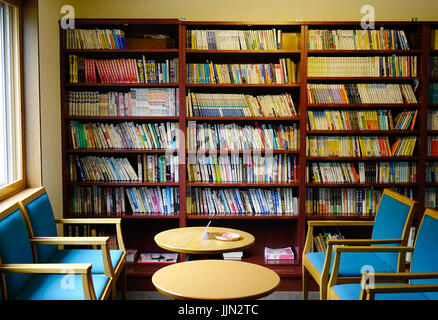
(297, 224)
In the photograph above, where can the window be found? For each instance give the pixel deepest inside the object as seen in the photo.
(11, 129)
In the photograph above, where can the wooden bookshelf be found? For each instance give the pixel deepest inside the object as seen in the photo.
(269, 230)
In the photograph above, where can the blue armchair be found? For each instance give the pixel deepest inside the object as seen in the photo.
(41, 224)
(22, 279)
(390, 226)
(420, 283)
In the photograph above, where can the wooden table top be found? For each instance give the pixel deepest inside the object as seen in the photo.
(215, 280)
(188, 240)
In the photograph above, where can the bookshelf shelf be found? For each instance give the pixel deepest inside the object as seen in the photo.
(365, 106)
(242, 85)
(270, 230)
(398, 158)
(236, 119)
(112, 51)
(363, 52)
(120, 118)
(351, 216)
(118, 151)
(382, 185)
(232, 217)
(372, 132)
(242, 151)
(355, 79)
(123, 216)
(122, 184)
(121, 85)
(240, 184)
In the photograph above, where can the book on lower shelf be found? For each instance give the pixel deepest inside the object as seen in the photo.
(131, 255)
(234, 255)
(149, 257)
(279, 254)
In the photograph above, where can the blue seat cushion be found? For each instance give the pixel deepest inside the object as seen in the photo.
(352, 263)
(93, 256)
(59, 287)
(352, 292)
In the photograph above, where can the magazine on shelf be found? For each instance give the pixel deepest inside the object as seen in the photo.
(148, 257)
(279, 254)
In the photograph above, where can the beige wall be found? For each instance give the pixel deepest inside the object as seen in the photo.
(234, 10)
(273, 10)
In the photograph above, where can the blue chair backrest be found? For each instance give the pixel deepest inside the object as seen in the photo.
(425, 255)
(391, 222)
(15, 248)
(42, 222)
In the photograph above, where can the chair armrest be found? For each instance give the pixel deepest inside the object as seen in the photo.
(339, 249)
(46, 268)
(359, 242)
(71, 240)
(339, 223)
(84, 269)
(116, 221)
(101, 241)
(328, 223)
(371, 249)
(370, 291)
(401, 276)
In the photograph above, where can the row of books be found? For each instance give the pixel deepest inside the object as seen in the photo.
(87, 230)
(432, 146)
(124, 135)
(359, 146)
(149, 168)
(107, 169)
(434, 66)
(234, 137)
(360, 93)
(431, 197)
(95, 39)
(234, 168)
(433, 92)
(342, 201)
(233, 39)
(110, 201)
(365, 172)
(361, 39)
(431, 171)
(96, 200)
(239, 105)
(432, 119)
(160, 168)
(242, 202)
(151, 201)
(125, 70)
(360, 120)
(285, 71)
(136, 102)
(378, 66)
(320, 240)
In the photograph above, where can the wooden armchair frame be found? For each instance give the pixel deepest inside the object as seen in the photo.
(82, 269)
(322, 279)
(368, 291)
(119, 272)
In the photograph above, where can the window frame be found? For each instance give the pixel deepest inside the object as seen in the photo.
(18, 96)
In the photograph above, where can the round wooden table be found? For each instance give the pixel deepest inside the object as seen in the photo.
(215, 280)
(188, 240)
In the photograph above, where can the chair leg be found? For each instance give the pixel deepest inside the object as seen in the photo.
(323, 290)
(123, 283)
(305, 288)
